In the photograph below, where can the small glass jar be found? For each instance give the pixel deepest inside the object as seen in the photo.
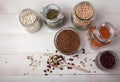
(101, 35)
(68, 41)
(82, 15)
(107, 60)
(53, 16)
(30, 20)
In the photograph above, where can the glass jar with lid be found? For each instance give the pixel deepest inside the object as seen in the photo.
(82, 15)
(30, 20)
(101, 35)
(53, 16)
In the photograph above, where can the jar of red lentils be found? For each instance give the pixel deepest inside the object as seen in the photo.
(82, 15)
(101, 35)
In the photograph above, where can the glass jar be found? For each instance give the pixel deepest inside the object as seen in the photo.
(82, 15)
(68, 41)
(30, 20)
(53, 16)
(101, 35)
(107, 60)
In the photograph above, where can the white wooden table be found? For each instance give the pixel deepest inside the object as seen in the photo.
(16, 44)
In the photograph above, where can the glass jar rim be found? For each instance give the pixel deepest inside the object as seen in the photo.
(108, 26)
(77, 32)
(81, 3)
(49, 7)
(113, 53)
(23, 11)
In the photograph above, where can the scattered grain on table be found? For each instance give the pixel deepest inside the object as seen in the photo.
(83, 51)
(89, 59)
(85, 59)
(6, 62)
(61, 74)
(33, 61)
(94, 71)
(91, 65)
(74, 73)
(77, 56)
(82, 63)
(46, 74)
(56, 51)
(71, 59)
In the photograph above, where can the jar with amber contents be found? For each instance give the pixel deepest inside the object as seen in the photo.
(101, 35)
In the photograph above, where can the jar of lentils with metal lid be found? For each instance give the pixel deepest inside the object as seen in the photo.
(82, 15)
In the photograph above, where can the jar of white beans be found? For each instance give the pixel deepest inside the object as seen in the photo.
(82, 15)
(30, 20)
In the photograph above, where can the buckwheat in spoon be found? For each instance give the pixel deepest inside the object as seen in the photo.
(59, 61)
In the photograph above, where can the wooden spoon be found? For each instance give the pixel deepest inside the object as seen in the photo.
(59, 61)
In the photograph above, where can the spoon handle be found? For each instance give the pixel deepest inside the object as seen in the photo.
(76, 67)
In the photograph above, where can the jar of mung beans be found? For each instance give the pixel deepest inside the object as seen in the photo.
(53, 16)
(82, 15)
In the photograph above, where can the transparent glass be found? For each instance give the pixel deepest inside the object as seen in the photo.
(56, 22)
(98, 62)
(111, 29)
(76, 31)
(32, 27)
(81, 23)
(94, 34)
